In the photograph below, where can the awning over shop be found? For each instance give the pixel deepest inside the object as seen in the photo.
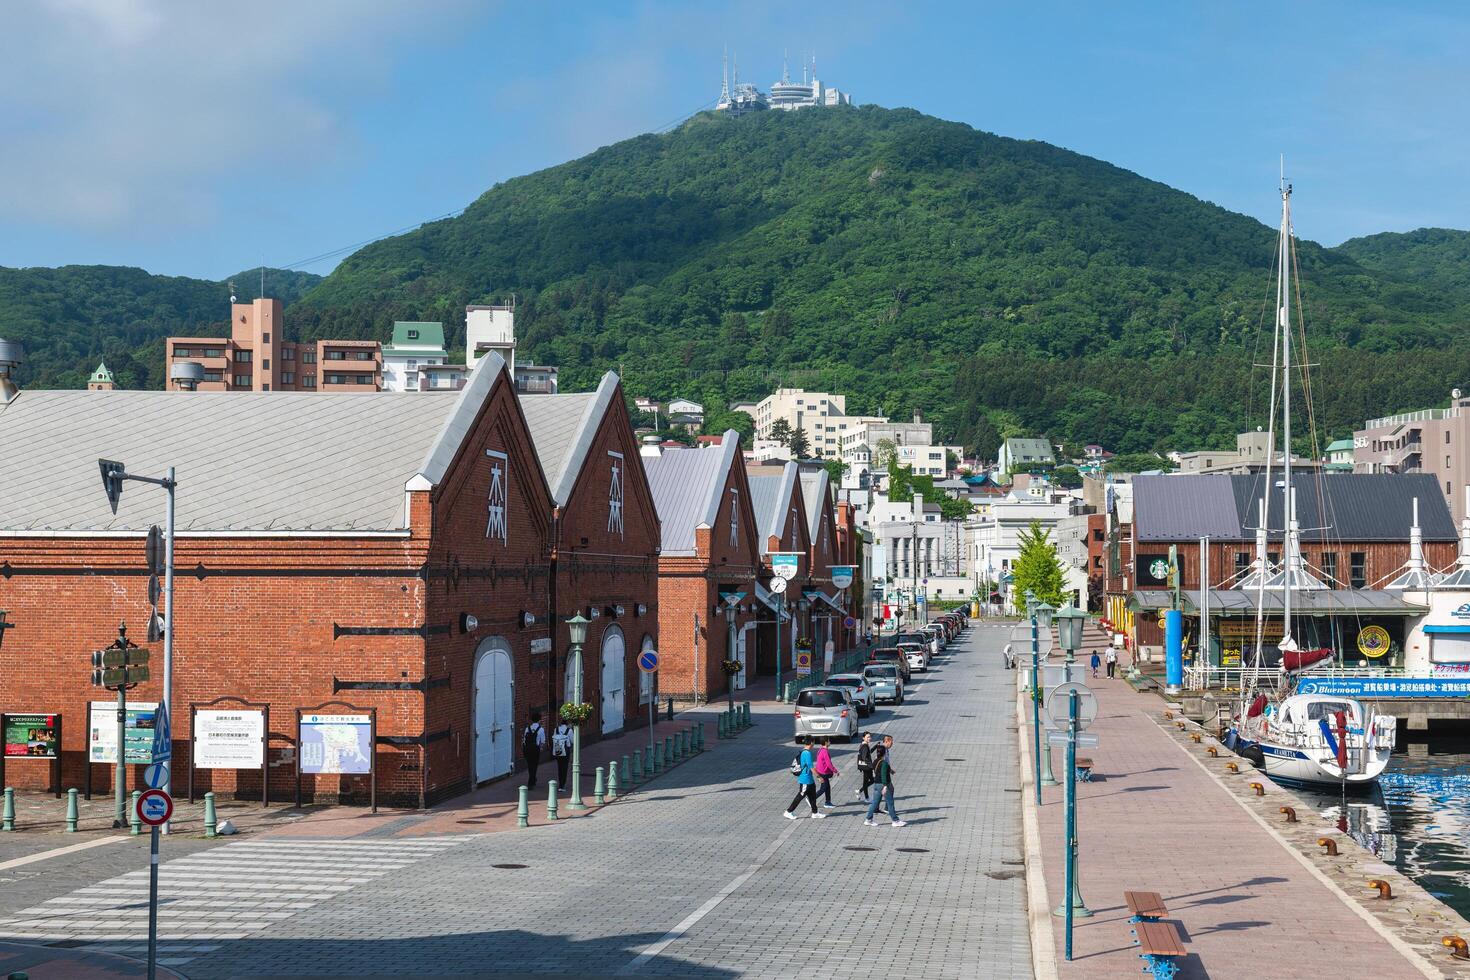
(768, 597)
(1242, 602)
(818, 596)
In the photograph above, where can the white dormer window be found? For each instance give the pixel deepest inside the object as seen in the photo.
(413, 335)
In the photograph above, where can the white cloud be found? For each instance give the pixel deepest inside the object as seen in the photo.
(134, 114)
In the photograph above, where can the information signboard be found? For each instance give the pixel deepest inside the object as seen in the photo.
(341, 744)
(786, 563)
(36, 736)
(230, 739)
(842, 575)
(137, 731)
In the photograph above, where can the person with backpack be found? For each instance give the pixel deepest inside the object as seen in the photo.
(1112, 659)
(806, 785)
(532, 739)
(825, 771)
(865, 765)
(561, 751)
(883, 780)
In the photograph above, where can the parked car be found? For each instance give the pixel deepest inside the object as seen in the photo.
(916, 655)
(862, 691)
(885, 682)
(826, 711)
(894, 656)
(937, 631)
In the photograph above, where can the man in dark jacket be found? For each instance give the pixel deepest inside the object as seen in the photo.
(883, 780)
(533, 739)
(865, 764)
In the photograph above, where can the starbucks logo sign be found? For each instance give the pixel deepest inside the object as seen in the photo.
(1159, 568)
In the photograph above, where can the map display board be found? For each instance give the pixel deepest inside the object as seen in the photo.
(229, 739)
(137, 731)
(36, 736)
(337, 744)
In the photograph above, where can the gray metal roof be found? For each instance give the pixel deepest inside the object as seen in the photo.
(813, 489)
(1341, 507)
(1238, 602)
(687, 486)
(245, 461)
(1022, 445)
(770, 497)
(563, 427)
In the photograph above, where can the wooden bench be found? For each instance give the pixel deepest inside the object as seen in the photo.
(1145, 906)
(1084, 769)
(1159, 946)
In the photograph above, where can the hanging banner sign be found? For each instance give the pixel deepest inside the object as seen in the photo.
(337, 744)
(229, 739)
(137, 731)
(842, 575)
(35, 736)
(1386, 687)
(786, 563)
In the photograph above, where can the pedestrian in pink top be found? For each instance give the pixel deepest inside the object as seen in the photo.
(825, 770)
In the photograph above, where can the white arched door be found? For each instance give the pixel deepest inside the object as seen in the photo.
(494, 711)
(740, 655)
(613, 669)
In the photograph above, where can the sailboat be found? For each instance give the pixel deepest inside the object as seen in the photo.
(1315, 740)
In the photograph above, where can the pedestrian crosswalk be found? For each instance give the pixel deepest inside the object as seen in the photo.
(215, 896)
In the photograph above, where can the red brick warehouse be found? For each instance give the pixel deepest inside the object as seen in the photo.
(605, 540)
(388, 551)
(710, 547)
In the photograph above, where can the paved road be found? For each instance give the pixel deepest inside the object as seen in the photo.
(697, 876)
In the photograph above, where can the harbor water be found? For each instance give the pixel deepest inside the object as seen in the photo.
(1418, 820)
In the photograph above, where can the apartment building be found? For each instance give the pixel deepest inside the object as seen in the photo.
(1249, 456)
(257, 357)
(821, 415)
(410, 358)
(1434, 441)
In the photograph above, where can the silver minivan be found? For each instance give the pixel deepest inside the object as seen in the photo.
(826, 712)
(885, 682)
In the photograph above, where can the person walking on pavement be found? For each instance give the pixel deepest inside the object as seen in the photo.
(883, 780)
(865, 764)
(561, 751)
(806, 785)
(1112, 659)
(1096, 663)
(532, 741)
(825, 771)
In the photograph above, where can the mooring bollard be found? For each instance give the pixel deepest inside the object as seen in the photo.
(668, 751)
(71, 811)
(135, 822)
(210, 821)
(671, 709)
(699, 737)
(722, 724)
(612, 780)
(654, 752)
(678, 748)
(687, 736)
(599, 792)
(551, 800)
(748, 722)
(635, 774)
(523, 807)
(627, 772)
(9, 816)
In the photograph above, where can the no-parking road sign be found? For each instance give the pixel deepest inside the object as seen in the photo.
(155, 807)
(648, 661)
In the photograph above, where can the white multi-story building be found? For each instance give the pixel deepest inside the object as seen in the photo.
(493, 328)
(821, 415)
(809, 92)
(417, 346)
(927, 460)
(911, 552)
(995, 536)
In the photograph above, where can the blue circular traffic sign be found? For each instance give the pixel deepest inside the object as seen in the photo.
(648, 661)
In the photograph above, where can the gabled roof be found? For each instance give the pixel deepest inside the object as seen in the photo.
(1339, 445)
(246, 461)
(814, 493)
(1028, 447)
(563, 427)
(770, 497)
(430, 335)
(688, 487)
(102, 375)
(1347, 507)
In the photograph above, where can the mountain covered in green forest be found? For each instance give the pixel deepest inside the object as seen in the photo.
(997, 285)
(74, 316)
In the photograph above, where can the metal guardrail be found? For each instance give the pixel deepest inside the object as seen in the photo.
(1205, 678)
(846, 663)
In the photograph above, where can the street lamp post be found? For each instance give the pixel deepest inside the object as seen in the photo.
(730, 609)
(1069, 633)
(113, 475)
(577, 633)
(1040, 620)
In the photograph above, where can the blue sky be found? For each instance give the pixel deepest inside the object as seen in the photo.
(191, 139)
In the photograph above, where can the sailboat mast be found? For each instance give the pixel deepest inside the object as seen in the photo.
(1283, 296)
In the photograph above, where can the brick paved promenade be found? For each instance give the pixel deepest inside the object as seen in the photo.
(1153, 820)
